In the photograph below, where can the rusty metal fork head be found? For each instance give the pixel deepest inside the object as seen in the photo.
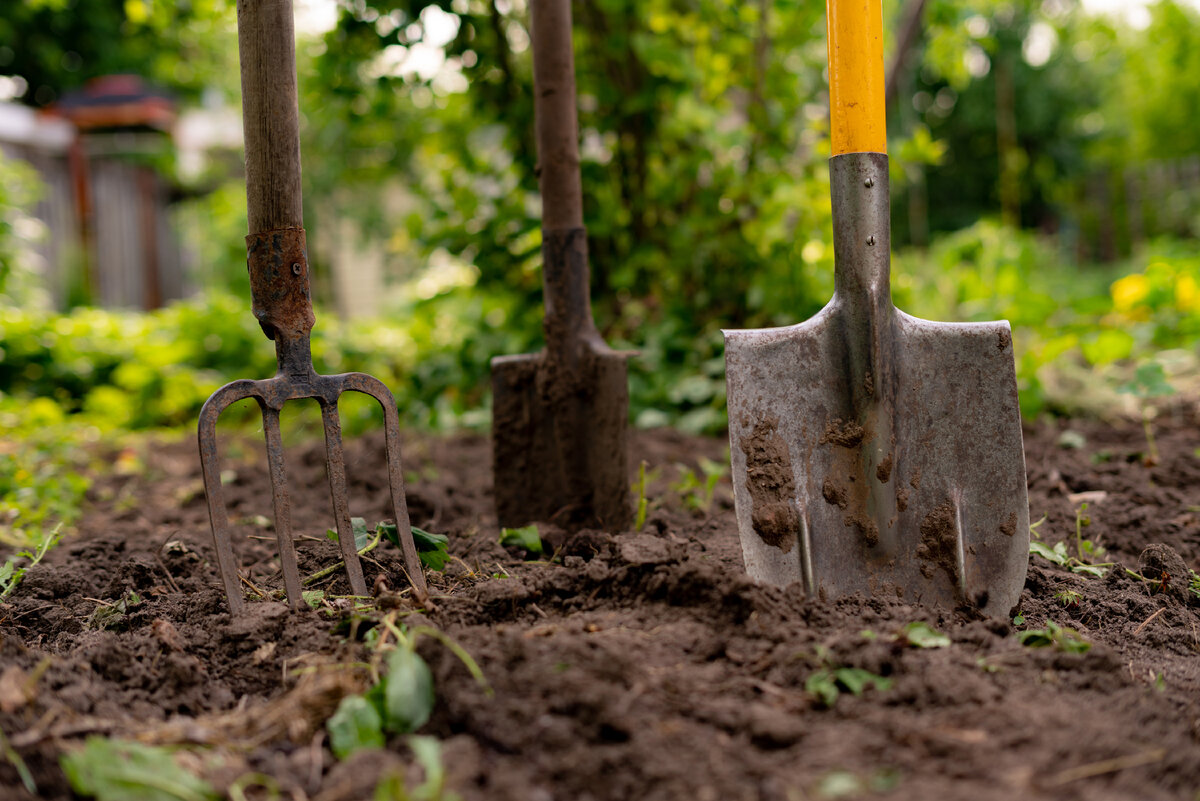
(278, 267)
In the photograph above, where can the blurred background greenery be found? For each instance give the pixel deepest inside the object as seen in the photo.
(1045, 170)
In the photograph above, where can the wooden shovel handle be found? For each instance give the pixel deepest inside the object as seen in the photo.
(270, 114)
(555, 115)
(856, 76)
(570, 330)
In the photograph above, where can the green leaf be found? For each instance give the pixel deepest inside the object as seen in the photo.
(114, 770)
(526, 537)
(855, 680)
(1089, 570)
(1043, 550)
(355, 725)
(1149, 381)
(362, 537)
(1035, 638)
(428, 752)
(922, 635)
(432, 549)
(822, 685)
(427, 541)
(313, 597)
(1061, 637)
(407, 692)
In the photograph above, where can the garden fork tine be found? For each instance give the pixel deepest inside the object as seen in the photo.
(278, 264)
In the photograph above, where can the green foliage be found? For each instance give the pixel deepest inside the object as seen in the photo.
(355, 725)
(115, 770)
(1058, 555)
(56, 45)
(18, 764)
(1068, 598)
(112, 615)
(432, 549)
(362, 536)
(403, 698)
(1149, 381)
(20, 189)
(428, 752)
(1054, 636)
(698, 494)
(921, 635)
(639, 488)
(828, 683)
(526, 537)
(408, 694)
(134, 370)
(12, 571)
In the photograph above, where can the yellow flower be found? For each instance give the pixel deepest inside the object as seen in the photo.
(1129, 291)
(1187, 294)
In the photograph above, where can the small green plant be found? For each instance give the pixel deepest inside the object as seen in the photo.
(922, 635)
(116, 770)
(18, 764)
(112, 615)
(827, 684)
(402, 698)
(1194, 583)
(639, 519)
(1086, 550)
(432, 549)
(1149, 382)
(698, 494)
(1055, 636)
(428, 752)
(1068, 599)
(11, 572)
(526, 537)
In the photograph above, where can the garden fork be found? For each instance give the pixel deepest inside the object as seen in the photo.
(278, 266)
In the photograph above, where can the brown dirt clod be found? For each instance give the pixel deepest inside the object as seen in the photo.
(771, 484)
(939, 540)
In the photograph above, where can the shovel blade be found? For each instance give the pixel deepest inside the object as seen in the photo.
(560, 441)
(924, 498)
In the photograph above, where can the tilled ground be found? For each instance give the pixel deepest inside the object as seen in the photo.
(643, 665)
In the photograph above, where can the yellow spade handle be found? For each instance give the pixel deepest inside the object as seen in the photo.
(856, 108)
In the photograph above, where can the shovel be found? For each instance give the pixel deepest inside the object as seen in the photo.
(874, 452)
(277, 260)
(559, 419)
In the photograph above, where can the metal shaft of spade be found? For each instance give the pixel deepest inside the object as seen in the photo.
(277, 260)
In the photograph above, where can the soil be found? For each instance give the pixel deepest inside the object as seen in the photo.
(642, 665)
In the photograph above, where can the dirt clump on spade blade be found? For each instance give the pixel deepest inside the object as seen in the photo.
(638, 665)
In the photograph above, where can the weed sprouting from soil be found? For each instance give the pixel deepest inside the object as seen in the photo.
(922, 635)
(827, 684)
(402, 697)
(12, 572)
(1061, 638)
(1068, 599)
(428, 753)
(639, 519)
(526, 537)
(698, 494)
(116, 770)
